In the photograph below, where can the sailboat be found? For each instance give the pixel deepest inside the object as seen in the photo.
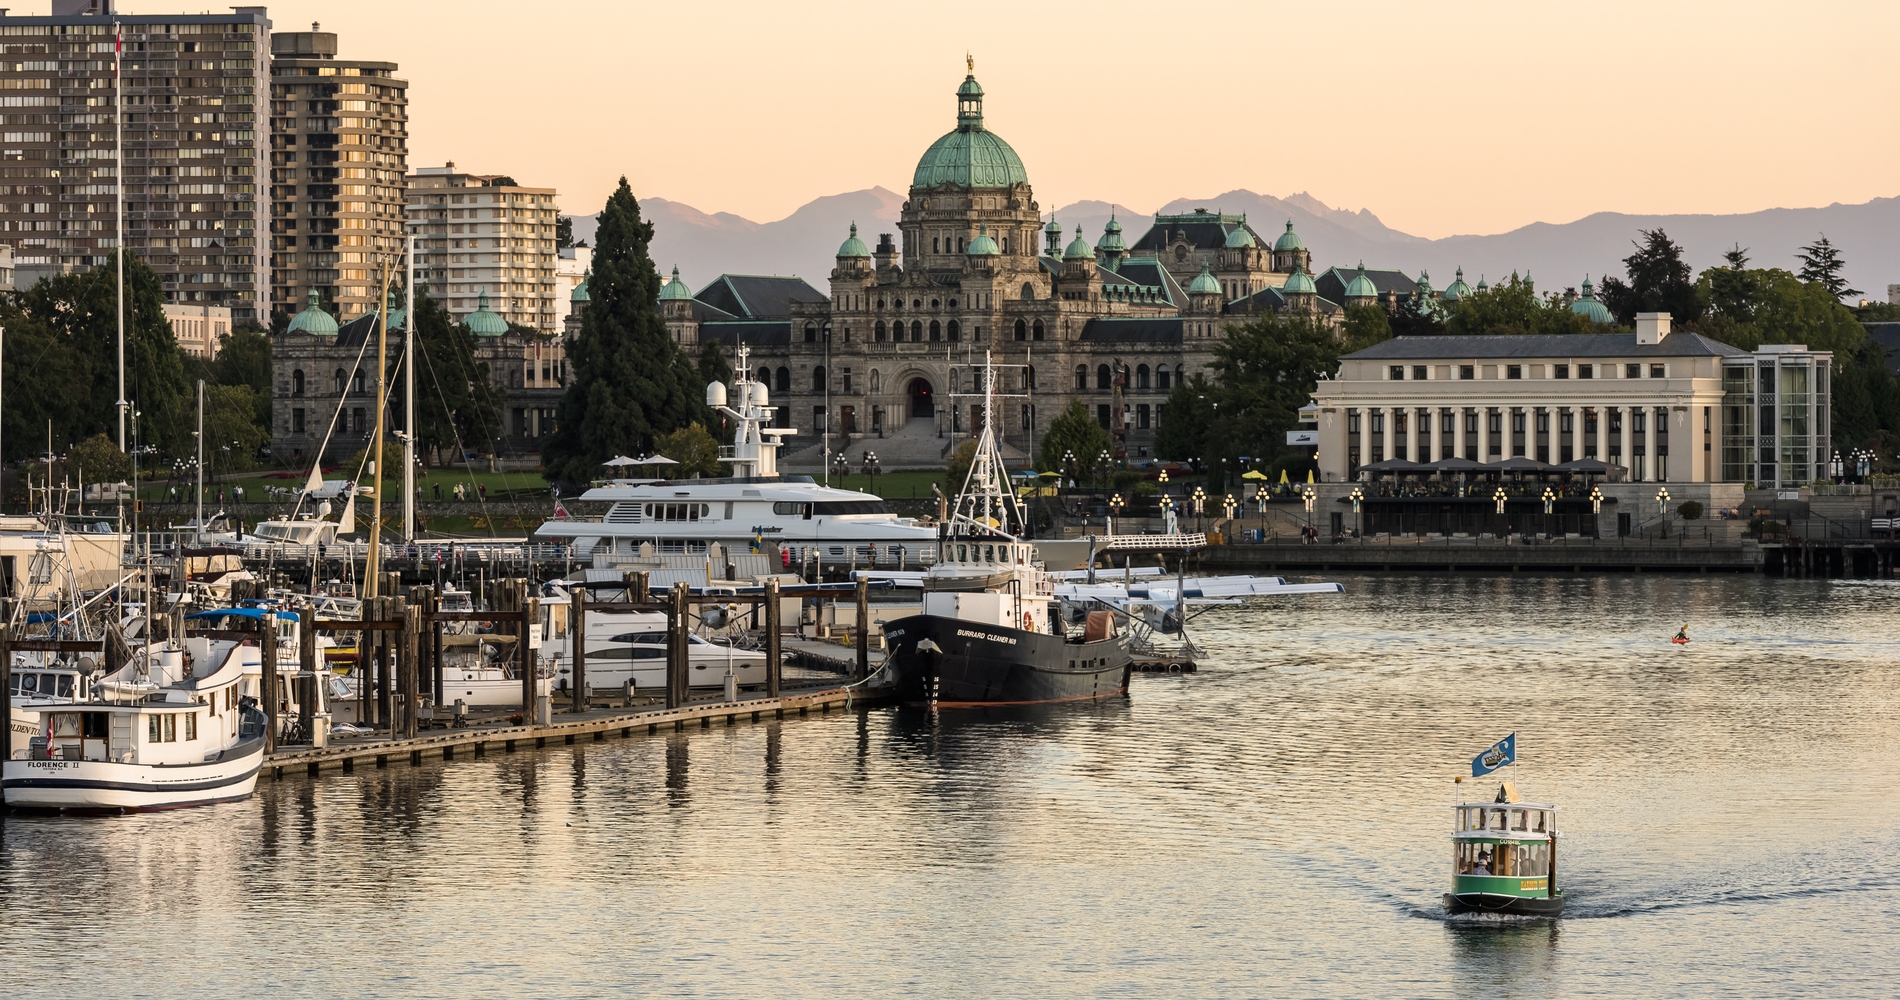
(991, 631)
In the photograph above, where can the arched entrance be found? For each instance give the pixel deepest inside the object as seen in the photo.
(922, 399)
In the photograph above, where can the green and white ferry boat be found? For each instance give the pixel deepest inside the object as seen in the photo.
(1504, 857)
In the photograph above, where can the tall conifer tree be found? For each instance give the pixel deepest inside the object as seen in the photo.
(630, 383)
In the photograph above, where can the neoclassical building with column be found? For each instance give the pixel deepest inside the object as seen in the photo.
(1666, 407)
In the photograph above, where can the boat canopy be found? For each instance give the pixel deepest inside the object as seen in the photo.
(256, 614)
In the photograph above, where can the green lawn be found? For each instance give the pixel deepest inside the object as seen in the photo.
(256, 485)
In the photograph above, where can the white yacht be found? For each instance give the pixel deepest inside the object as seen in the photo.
(756, 506)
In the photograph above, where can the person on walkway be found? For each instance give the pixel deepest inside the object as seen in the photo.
(482, 488)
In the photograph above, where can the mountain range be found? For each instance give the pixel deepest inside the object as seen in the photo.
(1557, 255)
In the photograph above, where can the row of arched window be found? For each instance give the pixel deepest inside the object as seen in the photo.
(951, 331)
(1029, 331)
(357, 383)
(1160, 378)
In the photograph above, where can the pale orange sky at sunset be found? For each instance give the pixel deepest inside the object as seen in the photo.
(1441, 119)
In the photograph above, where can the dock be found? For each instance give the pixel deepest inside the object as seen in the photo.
(566, 729)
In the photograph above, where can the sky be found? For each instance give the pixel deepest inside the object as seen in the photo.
(1442, 119)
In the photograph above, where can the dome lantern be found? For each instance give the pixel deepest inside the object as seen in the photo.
(971, 156)
(853, 247)
(1590, 308)
(313, 320)
(675, 289)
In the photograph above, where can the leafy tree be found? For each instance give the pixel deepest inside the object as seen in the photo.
(1418, 317)
(1659, 281)
(1821, 261)
(1732, 290)
(358, 465)
(456, 402)
(62, 360)
(245, 360)
(958, 468)
(232, 433)
(563, 232)
(99, 460)
(1191, 432)
(1073, 431)
(631, 383)
(1365, 326)
(696, 451)
(1513, 306)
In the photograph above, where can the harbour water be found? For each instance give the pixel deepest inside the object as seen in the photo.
(1275, 825)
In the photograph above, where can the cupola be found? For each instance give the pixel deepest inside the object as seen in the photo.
(313, 320)
(484, 323)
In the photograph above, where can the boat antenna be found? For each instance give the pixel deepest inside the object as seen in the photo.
(118, 188)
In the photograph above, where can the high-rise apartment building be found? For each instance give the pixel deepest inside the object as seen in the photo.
(193, 148)
(339, 153)
(482, 234)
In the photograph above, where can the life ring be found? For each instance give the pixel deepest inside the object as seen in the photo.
(1029, 622)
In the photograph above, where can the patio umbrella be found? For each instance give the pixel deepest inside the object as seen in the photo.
(1457, 465)
(1394, 465)
(656, 460)
(1309, 477)
(1519, 463)
(620, 460)
(1283, 477)
(1257, 474)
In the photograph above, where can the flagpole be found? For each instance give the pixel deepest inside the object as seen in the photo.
(409, 393)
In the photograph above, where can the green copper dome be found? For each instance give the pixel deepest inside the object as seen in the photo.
(983, 245)
(395, 309)
(1481, 284)
(970, 156)
(1241, 238)
(1112, 241)
(1289, 240)
(1589, 308)
(853, 247)
(483, 323)
(675, 289)
(1457, 289)
(1297, 283)
(1079, 249)
(1204, 283)
(580, 290)
(313, 320)
(1361, 287)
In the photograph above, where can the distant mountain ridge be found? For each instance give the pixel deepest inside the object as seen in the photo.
(1557, 255)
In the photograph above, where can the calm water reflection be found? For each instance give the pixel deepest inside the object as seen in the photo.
(1273, 826)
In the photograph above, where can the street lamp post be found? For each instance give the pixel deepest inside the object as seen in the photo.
(1115, 508)
(1356, 497)
(1550, 504)
(1662, 507)
(1309, 497)
(1200, 506)
(1596, 509)
(1498, 499)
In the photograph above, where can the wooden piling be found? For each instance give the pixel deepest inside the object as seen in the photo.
(530, 689)
(774, 652)
(435, 645)
(309, 678)
(365, 654)
(864, 628)
(268, 681)
(677, 664)
(577, 630)
(411, 682)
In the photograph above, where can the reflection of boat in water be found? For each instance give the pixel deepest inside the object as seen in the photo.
(1505, 858)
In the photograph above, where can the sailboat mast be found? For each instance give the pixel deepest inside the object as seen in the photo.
(372, 567)
(201, 457)
(409, 391)
(118, 189)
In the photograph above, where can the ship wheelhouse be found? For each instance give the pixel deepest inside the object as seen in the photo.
(1504, 857)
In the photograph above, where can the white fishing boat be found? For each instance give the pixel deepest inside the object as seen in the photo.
(176, 732)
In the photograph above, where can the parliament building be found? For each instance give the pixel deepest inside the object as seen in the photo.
(887, 360)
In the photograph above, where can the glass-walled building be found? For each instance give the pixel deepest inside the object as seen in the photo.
(1775, 422)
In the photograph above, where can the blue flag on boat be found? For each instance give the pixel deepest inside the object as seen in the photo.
(1501, 753)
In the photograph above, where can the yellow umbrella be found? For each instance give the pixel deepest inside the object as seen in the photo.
(1255, 474)
(1309, 476)
(1282, 477)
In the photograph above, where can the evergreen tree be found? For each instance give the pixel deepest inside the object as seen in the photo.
(1365, 326)
(629, 382)
(713, 366)
(1659, 281)
(1821, 261)
(1512, 306)
(1733, 288)
(1074, 431)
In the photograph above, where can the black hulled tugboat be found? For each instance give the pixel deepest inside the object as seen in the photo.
(991, 631)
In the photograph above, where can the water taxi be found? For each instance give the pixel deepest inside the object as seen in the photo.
(1504, 857)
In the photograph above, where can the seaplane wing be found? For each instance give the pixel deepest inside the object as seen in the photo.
(1101, 574)
(901, 578)
(1193, 590)
(1246, 586)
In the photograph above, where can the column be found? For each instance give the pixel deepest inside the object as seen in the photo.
(1623, 442)
(1484, 433)
(1365, 439)
(1458, 430)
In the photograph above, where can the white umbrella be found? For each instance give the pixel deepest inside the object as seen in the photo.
(656, 460)
(620, 460)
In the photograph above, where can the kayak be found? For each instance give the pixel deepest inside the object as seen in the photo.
(1680, 641)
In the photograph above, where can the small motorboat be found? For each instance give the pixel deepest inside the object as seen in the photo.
(1504, 858)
